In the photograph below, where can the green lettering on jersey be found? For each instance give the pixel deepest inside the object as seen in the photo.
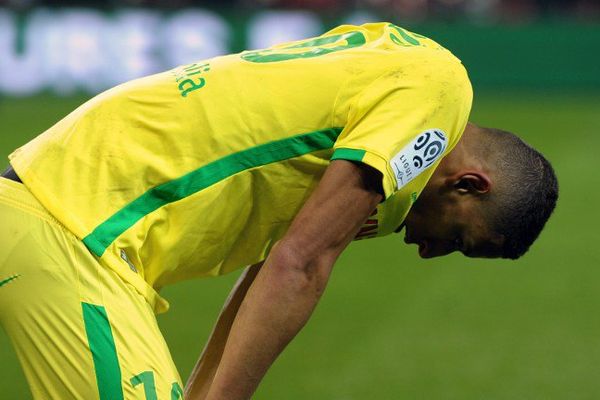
(405, 39)
(186, 80)
(315, 47)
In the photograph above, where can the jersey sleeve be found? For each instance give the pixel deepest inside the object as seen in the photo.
(404, 122)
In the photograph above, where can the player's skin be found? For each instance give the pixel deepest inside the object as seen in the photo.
(448, 215)
(274, 300)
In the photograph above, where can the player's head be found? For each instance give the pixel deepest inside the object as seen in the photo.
(490, 197)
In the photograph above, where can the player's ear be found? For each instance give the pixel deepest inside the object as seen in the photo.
(473, 183)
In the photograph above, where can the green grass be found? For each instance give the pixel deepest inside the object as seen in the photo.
(392, 326)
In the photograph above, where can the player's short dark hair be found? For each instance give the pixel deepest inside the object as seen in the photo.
(526, 195)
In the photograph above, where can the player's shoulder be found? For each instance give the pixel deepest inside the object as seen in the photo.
(392, 47)
(423, 68)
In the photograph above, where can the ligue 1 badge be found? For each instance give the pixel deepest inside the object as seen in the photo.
(418, 155)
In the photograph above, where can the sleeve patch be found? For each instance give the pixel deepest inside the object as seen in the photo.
(418, 155)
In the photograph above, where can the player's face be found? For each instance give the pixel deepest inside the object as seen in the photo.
(440, 225)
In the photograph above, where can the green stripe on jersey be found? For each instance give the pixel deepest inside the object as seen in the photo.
(104, 352)
(348, 154)
(203, 177)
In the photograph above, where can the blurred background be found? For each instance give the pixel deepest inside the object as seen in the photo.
(390, 326)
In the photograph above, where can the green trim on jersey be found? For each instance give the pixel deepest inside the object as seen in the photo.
(9, 279)
(104, 352)
(203, 177)
(348, 154)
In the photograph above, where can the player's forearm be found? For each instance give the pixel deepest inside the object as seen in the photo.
(202, 376)
(276, 307)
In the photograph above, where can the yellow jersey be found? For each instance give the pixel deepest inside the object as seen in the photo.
(199, 170)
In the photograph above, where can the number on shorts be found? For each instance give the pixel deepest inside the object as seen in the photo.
(146, 379)
(176, 392)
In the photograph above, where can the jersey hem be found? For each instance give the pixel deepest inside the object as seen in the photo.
(108, 260)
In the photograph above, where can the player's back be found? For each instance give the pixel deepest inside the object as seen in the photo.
(200, 170)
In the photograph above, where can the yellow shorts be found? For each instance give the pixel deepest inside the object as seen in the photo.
(79, 330)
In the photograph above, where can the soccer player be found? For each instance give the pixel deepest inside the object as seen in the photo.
(277, 159)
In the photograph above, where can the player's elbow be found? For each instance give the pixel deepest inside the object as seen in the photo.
(299, 271)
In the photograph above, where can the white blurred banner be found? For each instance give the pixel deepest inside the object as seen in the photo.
(77, 49)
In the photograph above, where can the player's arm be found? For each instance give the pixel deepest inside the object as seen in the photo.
(204, 371)
(293, 277)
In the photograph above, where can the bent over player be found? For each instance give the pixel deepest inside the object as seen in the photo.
(275, 158)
